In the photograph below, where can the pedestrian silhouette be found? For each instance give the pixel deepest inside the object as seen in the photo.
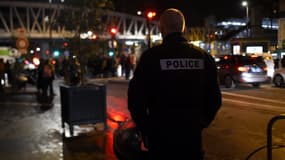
(52, 70)
(283, 61)
(128, 67)
(45, 74)
(2, 71)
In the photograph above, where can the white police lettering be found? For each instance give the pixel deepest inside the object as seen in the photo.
(181, 64)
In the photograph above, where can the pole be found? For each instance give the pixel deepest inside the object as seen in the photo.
(247, 21)
(148, 35)
(247, 15)
(245, 4)
(50, 29)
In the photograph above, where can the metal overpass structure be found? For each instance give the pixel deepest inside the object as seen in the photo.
(35, 19)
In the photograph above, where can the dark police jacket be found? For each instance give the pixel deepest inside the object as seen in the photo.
(174, 90)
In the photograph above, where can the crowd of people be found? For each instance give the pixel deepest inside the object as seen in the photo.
(14, 75)
(128, 64)
(17, 76)
(121, 65)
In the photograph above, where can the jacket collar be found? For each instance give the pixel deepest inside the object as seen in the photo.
(174, 38)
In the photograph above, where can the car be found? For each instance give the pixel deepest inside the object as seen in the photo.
(236, 69)
(279, 73)
(279, 77)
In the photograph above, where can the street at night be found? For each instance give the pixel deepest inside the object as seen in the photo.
(74, 73)
(31, 132)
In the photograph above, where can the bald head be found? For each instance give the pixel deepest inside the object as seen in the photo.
(171, 20)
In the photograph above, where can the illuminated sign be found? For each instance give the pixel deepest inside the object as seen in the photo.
(254, 49)
(236, 49)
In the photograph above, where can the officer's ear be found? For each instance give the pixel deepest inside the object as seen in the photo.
(162, 29)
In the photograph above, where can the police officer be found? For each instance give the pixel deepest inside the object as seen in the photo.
(174, 93)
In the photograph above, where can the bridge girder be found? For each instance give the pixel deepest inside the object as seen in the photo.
(35, 19)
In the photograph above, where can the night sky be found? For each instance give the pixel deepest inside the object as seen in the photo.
(194, 10)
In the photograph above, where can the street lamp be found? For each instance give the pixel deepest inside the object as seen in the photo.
(139, 13)
(245, 4)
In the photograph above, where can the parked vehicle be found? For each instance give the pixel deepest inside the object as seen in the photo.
(268, 59)
(236, 69)
(279, 73)
(279, 77)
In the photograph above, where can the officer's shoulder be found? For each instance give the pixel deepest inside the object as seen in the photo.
(205, 54)
(196, 48)
(152, 51)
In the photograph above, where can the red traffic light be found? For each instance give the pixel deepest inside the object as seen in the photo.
(65, 44)
(94, 36)
(212, 37)
(113, 31)
(150, 15)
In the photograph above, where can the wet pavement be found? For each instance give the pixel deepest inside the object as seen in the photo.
(32, 132)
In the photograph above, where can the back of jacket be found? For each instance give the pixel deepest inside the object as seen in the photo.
(174, 90)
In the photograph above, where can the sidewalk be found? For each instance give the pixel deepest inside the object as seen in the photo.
(29, 132)
(106, 80)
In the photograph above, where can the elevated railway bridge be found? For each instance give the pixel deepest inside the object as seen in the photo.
(34, 19)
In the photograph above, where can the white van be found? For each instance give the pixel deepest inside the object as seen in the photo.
(268, 59)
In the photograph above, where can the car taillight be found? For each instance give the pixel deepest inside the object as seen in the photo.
(242, 69)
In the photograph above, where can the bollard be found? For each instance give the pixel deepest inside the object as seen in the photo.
(269, 134)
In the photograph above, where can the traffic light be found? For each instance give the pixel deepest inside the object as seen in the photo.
(56, 53)
(212, 37)
(65, 44)
(47, 52)
(150, 15)
(111, 53)
(36, 61)
(94, 37)
(113, 31)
